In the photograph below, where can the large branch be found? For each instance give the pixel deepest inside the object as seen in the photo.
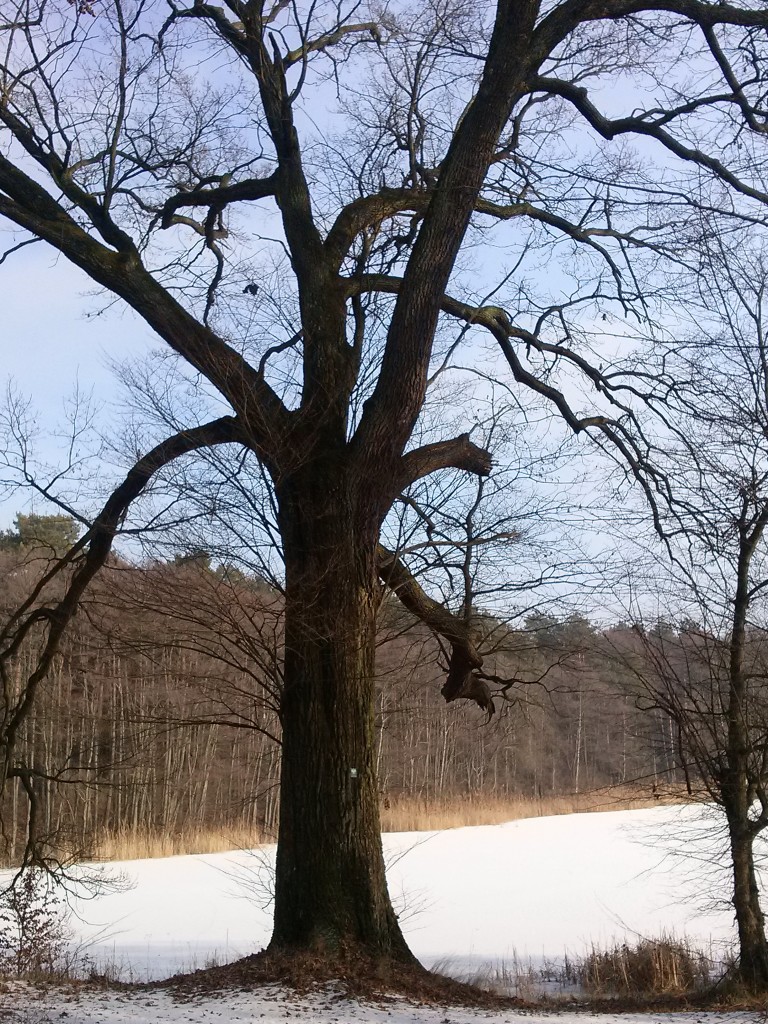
(218, 198)
(631, 451)
(29, 205)
(393, 408)
(517, 50)
(60, 174)
(301, 232)
(58, 616)
(98, 541)
(609, 128)
(370, 212)
(369, 29)
(495, 320)
(462, 681)
(328, 366)
(457, 453)
(737, 88)
(250, 36)
(567, 16)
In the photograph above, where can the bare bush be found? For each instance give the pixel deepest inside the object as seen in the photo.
(34, 931)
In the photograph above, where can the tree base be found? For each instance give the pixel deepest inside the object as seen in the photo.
(738, 985)
(349, 973)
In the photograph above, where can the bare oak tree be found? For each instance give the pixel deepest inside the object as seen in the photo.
(300, 265)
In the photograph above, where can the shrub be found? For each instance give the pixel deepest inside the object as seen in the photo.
(34, 934)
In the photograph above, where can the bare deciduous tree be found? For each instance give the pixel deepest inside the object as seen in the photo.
(710, 674)
(301, 274)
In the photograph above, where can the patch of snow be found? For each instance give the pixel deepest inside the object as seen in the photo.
(276, 1006)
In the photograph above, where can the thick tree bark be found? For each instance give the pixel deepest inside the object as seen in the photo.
(330, 886)
(753, 947)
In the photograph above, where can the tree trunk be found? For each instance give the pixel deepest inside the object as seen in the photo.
(330, 887)
(753, 947)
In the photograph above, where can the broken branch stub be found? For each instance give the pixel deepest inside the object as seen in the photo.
(462, 682)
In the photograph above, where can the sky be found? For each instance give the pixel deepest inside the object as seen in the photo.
(51, 346)
(50, 340)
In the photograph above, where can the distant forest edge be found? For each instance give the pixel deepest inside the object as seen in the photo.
(160, 717)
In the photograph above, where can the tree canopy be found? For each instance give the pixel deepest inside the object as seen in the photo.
(55, 533)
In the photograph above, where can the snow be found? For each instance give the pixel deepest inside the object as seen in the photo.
(535, 888)
(468, 898)
(274, 1006)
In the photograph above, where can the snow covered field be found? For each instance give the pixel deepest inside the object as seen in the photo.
(534, 888)
(468, 899)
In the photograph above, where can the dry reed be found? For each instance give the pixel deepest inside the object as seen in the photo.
(666, 966)
(145, 843)
(398, 814)
(417, 814)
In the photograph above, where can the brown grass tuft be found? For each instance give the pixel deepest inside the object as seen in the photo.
(666, 966)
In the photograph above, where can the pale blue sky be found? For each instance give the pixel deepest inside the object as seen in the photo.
(50, 345)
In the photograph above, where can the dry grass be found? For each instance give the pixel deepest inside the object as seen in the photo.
(666, 966)
(413, 814)
(145, 843)
(511, 977)
(400, 814)
(662, 973)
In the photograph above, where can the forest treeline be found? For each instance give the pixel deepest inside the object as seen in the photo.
(161, 709)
